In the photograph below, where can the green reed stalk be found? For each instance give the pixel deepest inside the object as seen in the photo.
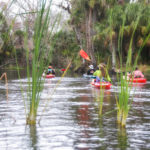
(35, 86)
(42, 34)
(123, 103)
(101, 99)
(57, 84)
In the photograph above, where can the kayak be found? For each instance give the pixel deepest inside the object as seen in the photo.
(88, 76)
(103, 85)
(50, 76)
(138, 80)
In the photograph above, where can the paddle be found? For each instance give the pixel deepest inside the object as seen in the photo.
(84, 55)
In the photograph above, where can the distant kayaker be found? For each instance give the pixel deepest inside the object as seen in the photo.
(91, 70)
(98, 74)
(105, 73)
(102, 73)
(137, 73)
(50, 70)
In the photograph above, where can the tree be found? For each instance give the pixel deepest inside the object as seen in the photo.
(6, 47)
(65, 48)
(82, 20)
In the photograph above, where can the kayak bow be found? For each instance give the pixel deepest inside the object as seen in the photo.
(103, 85)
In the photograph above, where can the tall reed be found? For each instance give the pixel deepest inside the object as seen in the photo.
(123, 101)
(41, 56)
(41, 34)
(101, 99)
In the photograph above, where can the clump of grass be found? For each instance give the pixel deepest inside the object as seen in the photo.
(42, 33)
(123, 101)
(35, 86)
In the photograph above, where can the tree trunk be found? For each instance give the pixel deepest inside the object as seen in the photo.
(89, 35)
(78, 36)
(113, 51)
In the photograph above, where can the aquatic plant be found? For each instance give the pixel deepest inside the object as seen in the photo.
(38, 64)
(124, 101)
(101, 99)
(40, 58)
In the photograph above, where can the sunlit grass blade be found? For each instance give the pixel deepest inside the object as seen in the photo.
(58, 83)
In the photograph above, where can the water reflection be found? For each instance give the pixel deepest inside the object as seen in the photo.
(33, 137)
(122, 138)
(83, 117)
(103, 98)
(71, 120)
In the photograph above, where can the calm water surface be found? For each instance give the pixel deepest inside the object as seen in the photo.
(71, 121)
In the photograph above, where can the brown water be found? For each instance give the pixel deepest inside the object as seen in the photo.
(71, 120)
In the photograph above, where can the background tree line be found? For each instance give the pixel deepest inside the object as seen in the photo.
(93, 25)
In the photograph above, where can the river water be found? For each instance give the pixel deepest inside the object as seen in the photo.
(70, 120)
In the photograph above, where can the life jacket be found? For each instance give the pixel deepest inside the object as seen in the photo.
(138, 74)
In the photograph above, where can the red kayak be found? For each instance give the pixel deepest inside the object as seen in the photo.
(50, 76)
(103, 85)
(138, 80)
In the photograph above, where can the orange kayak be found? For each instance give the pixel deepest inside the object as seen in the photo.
(50, 76)
(138, 80)
(103, 85)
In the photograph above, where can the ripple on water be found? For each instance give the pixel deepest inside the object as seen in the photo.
(71, 119)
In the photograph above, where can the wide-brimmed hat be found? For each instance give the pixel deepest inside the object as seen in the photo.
(104, 64)
(101, 65)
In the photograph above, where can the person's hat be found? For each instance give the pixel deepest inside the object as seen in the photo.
(104, 64)
(91, 67)
(100, 65)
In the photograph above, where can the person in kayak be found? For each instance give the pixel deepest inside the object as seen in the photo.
(91, 70)
(105, 73)
(102, 73)
(98, 74)
(50, 70)
(137, 73)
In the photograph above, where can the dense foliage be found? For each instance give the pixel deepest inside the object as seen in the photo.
(65, 48)
(96, 27)
(108, 19)
(6, 45)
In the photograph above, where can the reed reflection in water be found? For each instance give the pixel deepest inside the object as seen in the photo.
(71, 120)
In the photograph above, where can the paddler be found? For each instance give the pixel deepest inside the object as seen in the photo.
(102, 73)
(91, 70)
(137, 73)
(50, 70)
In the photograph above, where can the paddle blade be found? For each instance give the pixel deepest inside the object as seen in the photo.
(84, 55)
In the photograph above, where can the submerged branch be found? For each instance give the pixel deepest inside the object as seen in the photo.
(6, 83)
